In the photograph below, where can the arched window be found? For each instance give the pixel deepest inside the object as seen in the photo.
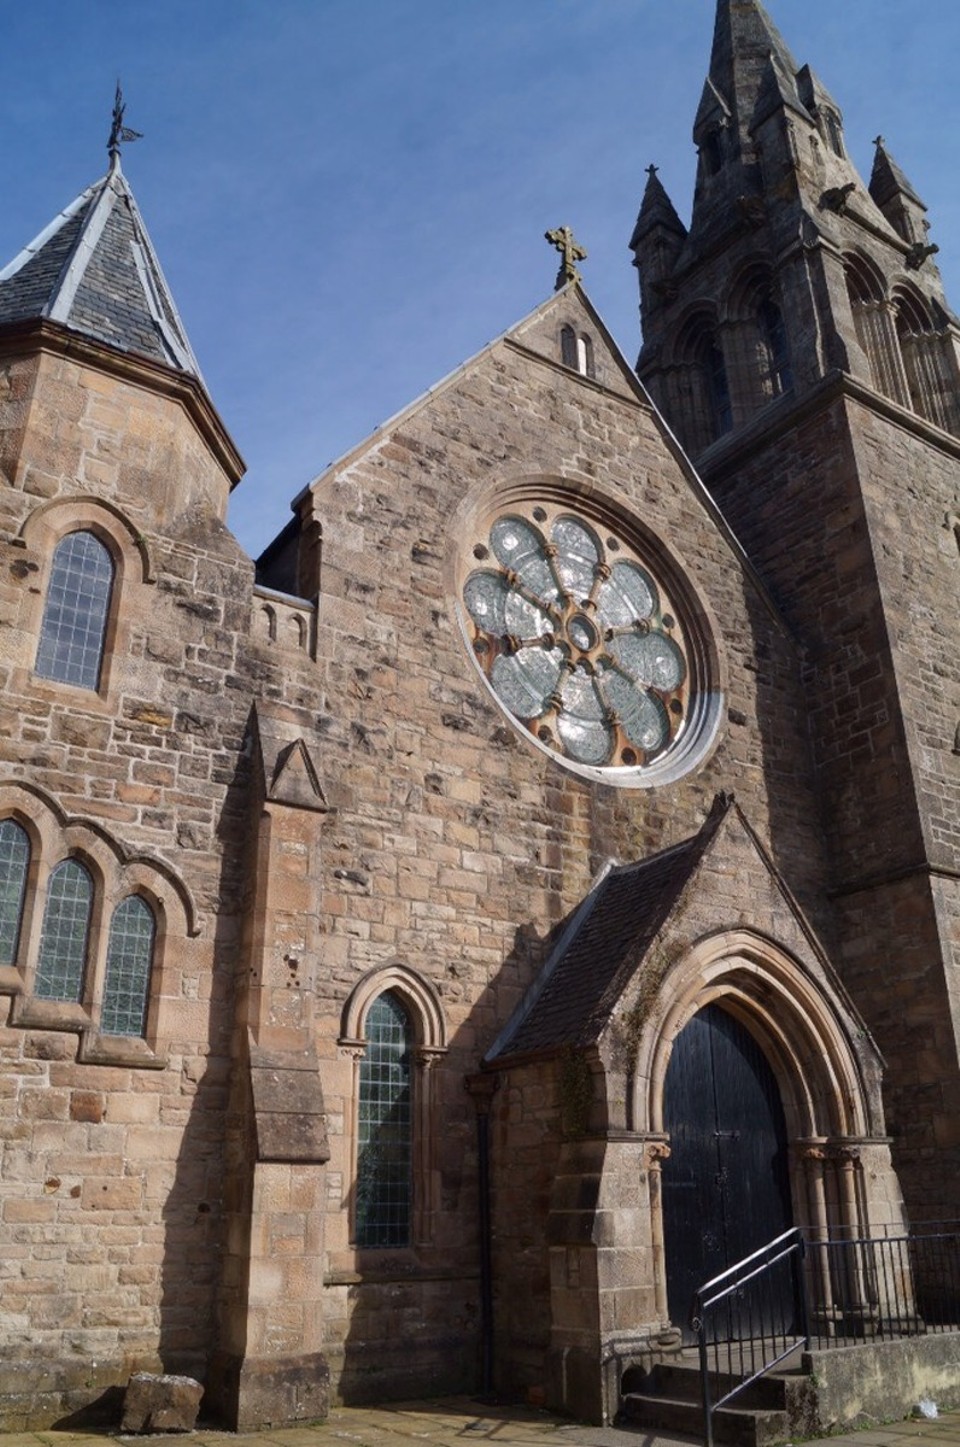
(834, 132)
(774, 334)
(75, 613)
(874, 327)
(718, 387)
(14, 863)
(66, 929)
(129, 957)
(712, 152)
(384, 1127)
(576, 351)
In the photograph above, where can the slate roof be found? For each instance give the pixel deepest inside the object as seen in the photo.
(594, 959)
(94, 270)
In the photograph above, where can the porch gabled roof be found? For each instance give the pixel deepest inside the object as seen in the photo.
(596, 956)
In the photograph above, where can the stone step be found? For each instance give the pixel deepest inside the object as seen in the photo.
(745, 1426)
(681, 1381)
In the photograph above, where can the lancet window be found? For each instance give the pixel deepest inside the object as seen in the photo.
(76, 610)
(385, 1127)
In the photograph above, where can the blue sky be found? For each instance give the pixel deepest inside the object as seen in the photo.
(349, 196)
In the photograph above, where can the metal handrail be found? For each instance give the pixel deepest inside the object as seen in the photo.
(754, 1271)
(859, 1286)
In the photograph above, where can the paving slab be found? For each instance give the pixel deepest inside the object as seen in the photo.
(456, 1421)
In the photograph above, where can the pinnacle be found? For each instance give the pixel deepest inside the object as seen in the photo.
(887, 180)
(657, 211)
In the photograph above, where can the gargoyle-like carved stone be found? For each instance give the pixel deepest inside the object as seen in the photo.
(919, 253)
(837, 197)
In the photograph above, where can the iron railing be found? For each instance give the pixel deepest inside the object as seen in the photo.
(838, 1291)
(747, 1320)
(888, 1287)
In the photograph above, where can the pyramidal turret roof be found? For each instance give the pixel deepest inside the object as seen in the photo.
(887, 180)
(657, 211)
(94, 270)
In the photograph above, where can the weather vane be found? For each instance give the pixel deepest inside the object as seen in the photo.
(570, 254)
(119, 133)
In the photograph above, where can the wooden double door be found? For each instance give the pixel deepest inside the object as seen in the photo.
(726, 1188)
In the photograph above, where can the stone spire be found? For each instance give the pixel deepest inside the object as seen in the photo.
(657, 212)
(896, 197)
(744, 39)
(750, 68)
(94, 271)
(657, 241)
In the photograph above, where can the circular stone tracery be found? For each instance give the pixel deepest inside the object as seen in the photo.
(578, 641)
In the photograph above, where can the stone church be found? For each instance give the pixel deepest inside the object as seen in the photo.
(429, 953)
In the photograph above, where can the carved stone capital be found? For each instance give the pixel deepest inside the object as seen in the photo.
(352, 1049)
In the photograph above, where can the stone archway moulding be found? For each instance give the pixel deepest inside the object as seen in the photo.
(417, 993)
(800, 1026)
(827, 1069)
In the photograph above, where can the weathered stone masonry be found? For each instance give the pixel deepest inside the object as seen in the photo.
(301, 772)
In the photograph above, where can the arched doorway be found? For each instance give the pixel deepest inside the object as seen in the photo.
(726, 1185)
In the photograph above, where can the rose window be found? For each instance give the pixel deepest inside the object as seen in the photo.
(578, 640)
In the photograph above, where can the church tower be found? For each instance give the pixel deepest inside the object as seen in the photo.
(799, 342)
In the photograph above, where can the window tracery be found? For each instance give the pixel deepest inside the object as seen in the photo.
(82, 931)
(580, 642)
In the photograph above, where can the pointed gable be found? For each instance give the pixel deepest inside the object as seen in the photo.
(94, 270)
(635, 908)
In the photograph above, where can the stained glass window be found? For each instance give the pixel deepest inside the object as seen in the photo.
(578, 639)
(75, 614)
(129, 957)
(384, 1134)
(14, 863)
(66, 927)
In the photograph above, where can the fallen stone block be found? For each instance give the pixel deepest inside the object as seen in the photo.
(160, 1404)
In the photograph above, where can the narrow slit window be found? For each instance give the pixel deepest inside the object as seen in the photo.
(712, 152)
(14, 864)
(75, 614)
(716, 371)
(129, 960)
(775, 338)
(384, 1135)
(568, 347)
(65, 934)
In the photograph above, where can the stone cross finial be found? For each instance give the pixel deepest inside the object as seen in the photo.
(570, 254)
